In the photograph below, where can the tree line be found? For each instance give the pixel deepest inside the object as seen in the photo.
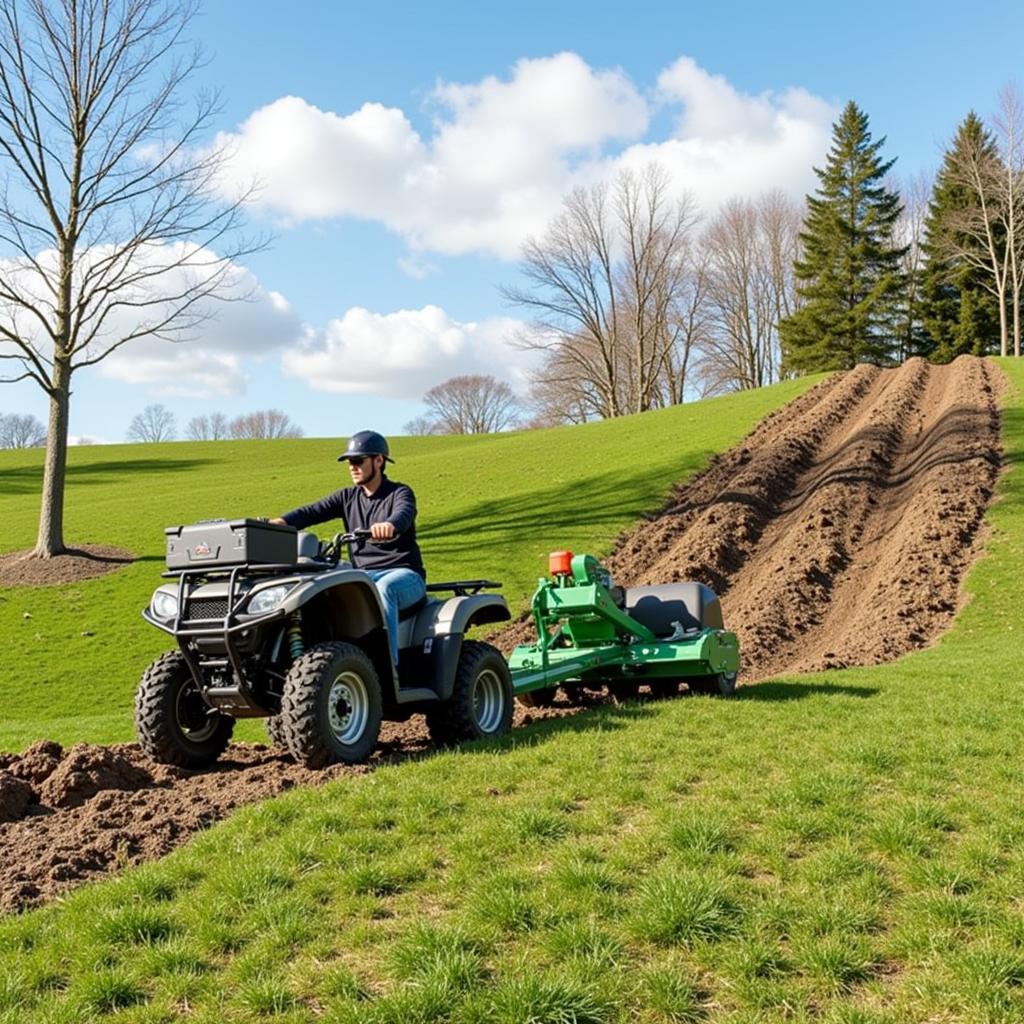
(157, 423)
(636, 304)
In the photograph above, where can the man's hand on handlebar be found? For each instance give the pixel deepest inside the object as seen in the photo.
(382, 531)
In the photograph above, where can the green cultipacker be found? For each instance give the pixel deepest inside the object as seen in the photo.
(592, 634)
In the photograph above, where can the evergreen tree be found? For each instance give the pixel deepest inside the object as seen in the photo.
(849, 276)
(960, 314)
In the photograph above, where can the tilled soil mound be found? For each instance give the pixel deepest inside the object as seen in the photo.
(67, 816)
(837, 533)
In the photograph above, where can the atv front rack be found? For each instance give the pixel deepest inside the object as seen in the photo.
(226, 627)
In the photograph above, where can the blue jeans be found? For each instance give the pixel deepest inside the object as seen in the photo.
(398, 588)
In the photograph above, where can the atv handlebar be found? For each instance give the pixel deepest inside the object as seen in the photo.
(331, 551)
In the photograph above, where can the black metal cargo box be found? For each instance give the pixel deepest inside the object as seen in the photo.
(229, 542)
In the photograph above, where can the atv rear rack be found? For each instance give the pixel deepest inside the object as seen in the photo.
(463, 588)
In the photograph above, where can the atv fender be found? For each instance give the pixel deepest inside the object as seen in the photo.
(440, 627)
(345, 605)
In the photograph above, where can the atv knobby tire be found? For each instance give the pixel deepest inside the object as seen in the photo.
(173, 722)
(277, 734)
(331, 706)
(721, 684)
(481, 703)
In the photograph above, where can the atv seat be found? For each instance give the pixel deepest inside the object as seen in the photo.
(692, 605)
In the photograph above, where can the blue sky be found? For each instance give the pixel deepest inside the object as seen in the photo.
(407, 149)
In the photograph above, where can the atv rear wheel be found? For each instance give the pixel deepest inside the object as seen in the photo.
(173, 722)
(481, 701)
(721, 684)
(277, 734)
(331, 706)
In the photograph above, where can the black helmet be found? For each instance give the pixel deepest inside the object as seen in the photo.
(366, 442)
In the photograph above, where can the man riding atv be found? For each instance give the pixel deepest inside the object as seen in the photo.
(391, 556)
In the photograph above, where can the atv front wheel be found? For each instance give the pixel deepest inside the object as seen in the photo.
(721, 684)
(481, 701)
(331, 706)
(173, 722)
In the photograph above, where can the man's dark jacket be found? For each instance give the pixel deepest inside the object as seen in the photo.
(391, 503)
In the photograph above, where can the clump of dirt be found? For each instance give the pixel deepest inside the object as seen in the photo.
(87, 770)
(15, 796)
(22, 569)
(837, 533)
(37, 763)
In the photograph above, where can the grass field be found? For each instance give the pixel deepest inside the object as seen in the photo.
(846, 847)
(489, 506)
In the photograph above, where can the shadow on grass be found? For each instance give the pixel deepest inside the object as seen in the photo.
(780, 691)
(29, 479)
(601, 499)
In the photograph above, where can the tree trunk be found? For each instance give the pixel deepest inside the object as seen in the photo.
(51, 517)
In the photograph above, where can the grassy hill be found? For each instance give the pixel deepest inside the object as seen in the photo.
(489, 506)
(846, 847)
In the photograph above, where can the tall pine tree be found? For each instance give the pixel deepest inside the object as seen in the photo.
(849, 276)
(960, 313)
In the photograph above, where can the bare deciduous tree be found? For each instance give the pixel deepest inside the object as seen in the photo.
(105, 198)
(214, 427)
(470, 404)
(263, 425)
(750, 247)
(910, 236)
(421, 426)
(1009, 126)
(604, 285)
(198, 429)
(990, 234)
(154, 423)
(21, 431)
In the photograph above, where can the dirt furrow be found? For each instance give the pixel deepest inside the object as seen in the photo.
(837, 533)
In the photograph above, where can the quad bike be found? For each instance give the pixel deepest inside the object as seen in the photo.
(271, 623)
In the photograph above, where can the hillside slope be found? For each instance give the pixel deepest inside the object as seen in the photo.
(489, 506)
(843, 847)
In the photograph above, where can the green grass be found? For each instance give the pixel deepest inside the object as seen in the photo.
(846, 847)
(489, 506)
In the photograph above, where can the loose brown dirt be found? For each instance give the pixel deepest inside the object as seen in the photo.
(21, 569)
(837, 533)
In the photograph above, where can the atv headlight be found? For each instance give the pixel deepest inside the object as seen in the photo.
(164, 605)
(267, 599)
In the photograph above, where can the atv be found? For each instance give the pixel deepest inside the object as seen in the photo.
(271, 623)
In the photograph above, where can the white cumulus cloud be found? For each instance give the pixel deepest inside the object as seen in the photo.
(246, 321)
(502, 152)
(403, 354)
(728, 143)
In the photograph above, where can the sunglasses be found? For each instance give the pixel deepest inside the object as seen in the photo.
(359, 461)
